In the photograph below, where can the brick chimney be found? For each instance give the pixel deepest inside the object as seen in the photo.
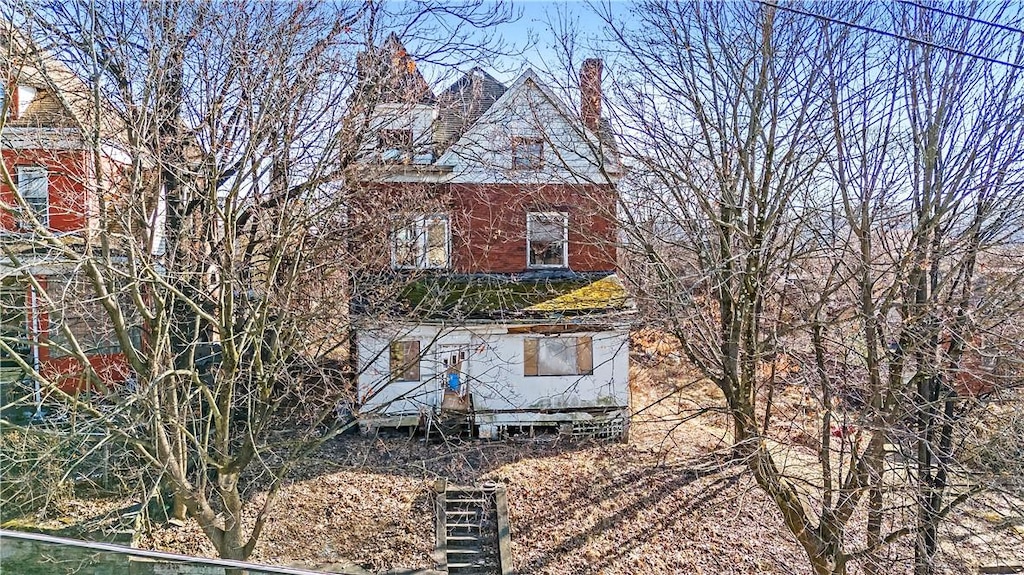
(590, 93)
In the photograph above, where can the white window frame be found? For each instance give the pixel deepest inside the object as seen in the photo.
(524, 162)
(530, 216)
(25, 96)
(418, 224)
(41, 173)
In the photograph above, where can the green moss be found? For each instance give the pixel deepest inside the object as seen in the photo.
(475, 296)
(606, 293)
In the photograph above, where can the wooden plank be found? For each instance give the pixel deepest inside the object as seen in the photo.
(441, 548)
(461, 489)
(504, 531)
(1000, 569)
(584, 355)
(530, 354)
(554, 329)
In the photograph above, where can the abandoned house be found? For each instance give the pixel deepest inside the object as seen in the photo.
(495, 304)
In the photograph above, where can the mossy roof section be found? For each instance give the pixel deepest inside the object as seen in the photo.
(522, 295)
(606, 293)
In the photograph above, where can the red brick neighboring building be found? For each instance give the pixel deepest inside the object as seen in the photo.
(67, 198)
(49, 192)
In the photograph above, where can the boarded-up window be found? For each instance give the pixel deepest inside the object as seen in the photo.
(405, 360)
(558, 356)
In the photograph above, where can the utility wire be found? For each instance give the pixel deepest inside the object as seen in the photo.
(963, 16)
(910, 39)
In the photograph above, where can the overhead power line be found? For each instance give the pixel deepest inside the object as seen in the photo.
(890, 34)
(963, 16)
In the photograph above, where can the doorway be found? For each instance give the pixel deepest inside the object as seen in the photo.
(453, 381)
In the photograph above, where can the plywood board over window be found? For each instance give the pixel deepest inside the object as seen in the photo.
(558, 356)
(405, 360)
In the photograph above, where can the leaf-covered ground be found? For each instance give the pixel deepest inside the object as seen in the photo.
(664, 502)
(668, 501)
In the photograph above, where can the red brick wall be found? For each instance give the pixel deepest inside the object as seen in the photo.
(68, 373)
(489, 231)
(488, 222)
(375, 208)
(68, 193)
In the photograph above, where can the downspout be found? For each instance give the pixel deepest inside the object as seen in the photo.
(37, 393)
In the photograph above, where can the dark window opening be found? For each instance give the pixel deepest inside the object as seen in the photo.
(527, 153)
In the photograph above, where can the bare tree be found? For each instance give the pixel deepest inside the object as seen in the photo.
(809, 206)
(222, 139)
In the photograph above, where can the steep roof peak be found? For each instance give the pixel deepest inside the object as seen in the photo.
(463, 102)
(390, 69)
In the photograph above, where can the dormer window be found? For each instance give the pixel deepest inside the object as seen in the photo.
(15, 99)
(395, 145)
(25, 96)
(527, 153)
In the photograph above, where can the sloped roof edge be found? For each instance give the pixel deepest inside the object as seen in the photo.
(520, 84)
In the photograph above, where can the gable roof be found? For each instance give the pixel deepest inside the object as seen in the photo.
(602, 145)
(62, 99)
(391, 74)
(461, 104)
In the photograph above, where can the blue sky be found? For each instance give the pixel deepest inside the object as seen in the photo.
(534, 33)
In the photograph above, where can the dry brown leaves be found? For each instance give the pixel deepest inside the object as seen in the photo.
(666, 502)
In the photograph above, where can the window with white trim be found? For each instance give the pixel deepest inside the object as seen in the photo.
(527, 153)
(423, 242)
(25, 96)
(34, 187)
(558, 356)
(547, 239)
